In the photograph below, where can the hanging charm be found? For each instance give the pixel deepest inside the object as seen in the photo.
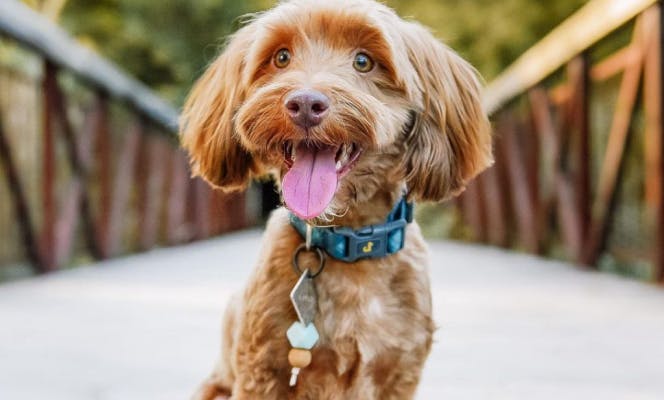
(302, 338)
(304, 298)
(302, 334)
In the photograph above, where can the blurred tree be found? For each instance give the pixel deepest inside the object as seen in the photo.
(166, 44)
(490, 34)
(50, 8)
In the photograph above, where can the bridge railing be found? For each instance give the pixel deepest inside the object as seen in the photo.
(579, 146)
(89, 156)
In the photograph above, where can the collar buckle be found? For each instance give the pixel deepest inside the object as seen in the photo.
(373, 241)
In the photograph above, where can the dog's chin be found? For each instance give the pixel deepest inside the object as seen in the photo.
(313, 174)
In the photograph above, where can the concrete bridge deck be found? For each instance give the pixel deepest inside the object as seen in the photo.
(511, 327)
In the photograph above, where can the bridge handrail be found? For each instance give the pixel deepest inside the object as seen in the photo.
(111, 179)
(33, 30)
(566, 151)
(586, 27)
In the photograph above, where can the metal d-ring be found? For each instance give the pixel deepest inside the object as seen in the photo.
(321, 260)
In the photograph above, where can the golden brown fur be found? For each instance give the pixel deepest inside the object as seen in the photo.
(418, 117)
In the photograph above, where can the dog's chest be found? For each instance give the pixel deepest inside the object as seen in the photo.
(368, 311)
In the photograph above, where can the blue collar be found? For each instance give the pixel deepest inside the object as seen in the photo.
(373, 241)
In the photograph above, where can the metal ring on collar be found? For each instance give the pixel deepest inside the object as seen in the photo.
(321, 260)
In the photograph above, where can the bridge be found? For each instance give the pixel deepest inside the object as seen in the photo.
(118, 264)
(511, 326)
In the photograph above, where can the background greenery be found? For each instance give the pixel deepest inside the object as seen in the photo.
(167, 43)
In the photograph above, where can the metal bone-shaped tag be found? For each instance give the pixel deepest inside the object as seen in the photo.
(304, 298)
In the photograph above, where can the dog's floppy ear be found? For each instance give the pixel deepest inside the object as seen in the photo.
(207, 128)
(451, 140)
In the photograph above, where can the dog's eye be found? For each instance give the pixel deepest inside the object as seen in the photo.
(363, 63)
(282, 58)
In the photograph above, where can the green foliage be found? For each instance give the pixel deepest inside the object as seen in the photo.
(163, 43)
(490, 34)
(166, 44)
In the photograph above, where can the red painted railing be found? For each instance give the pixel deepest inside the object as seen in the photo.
(112, 179)
(579, 143)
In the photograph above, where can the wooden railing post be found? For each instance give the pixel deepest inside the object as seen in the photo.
(493, 183)
(94, 128)
(47, 238)
(580, 131)
(654, 135)
(103, 152)
(122, 185)
(519, 166)
(659, 146)
(473, 211)
(150, 174)
(178, 224)
(202, 209)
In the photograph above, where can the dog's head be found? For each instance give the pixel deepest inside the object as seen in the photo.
(338, 99)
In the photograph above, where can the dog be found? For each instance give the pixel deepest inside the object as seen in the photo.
(355, 113)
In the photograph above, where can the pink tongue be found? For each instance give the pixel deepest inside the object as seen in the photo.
(311, 182)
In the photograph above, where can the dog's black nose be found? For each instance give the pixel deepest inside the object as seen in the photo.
(307, 107)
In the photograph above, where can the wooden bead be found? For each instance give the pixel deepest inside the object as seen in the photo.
(299, 358)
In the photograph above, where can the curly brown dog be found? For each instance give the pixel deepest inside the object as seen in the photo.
(355, 113)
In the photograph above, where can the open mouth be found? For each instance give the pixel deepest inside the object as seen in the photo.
(314, 171)
(345, 157)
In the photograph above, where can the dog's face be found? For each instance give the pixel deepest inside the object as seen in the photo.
(337, 99)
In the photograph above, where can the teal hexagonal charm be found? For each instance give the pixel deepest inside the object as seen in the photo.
(302, 337)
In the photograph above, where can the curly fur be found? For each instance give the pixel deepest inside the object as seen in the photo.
(418, 117)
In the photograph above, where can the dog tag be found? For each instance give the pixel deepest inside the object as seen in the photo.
(304, 298)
